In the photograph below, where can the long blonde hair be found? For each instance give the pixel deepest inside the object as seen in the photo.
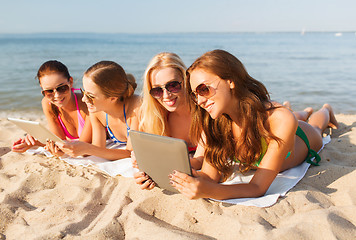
(153, 116)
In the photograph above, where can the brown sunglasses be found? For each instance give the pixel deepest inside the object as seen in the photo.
(60, 89)
(89, 97)
(204, 91)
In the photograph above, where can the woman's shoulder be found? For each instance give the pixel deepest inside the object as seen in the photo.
(136, 98)
(46, 105)
(281, 117)
(98, 117)
(135, 102)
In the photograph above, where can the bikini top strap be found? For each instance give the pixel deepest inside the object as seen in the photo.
(127, 126)
(107, 120)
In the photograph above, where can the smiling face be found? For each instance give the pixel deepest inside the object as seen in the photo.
(93, 97)
(52, 82)
(170, 101)
(220, 99)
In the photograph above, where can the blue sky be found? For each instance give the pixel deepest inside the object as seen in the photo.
(157, 16)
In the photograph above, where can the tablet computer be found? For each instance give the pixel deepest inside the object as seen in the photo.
(36, 130)
(158, 156)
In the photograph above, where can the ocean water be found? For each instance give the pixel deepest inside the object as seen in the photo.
(307, 70)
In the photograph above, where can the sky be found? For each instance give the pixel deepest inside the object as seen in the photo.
(161, 16)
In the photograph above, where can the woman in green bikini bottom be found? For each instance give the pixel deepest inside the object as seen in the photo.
(234, 120)
(300, 133)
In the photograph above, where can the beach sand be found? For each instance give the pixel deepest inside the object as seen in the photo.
(46, 198)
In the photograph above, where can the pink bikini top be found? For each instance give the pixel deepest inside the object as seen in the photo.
(80, 120)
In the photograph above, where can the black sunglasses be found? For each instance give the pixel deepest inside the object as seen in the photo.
(172, 87)
(60, 89)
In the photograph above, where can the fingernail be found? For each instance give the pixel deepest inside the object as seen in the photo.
(170, 176)
(174, 172)
(171, 182)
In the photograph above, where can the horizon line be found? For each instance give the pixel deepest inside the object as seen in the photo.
(191, 32)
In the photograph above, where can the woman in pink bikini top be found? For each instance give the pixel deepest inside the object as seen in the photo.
(66, 116)
(81, 120)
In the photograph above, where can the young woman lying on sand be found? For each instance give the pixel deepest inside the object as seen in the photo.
(109, 96)
(236, 123)
(165, 109)
(66, 115)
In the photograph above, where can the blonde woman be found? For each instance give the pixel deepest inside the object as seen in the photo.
(165, 109)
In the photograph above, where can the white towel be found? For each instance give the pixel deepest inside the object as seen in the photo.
(280, 186)
(122, 166)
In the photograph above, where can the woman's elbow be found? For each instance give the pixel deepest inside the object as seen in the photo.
(258, 191)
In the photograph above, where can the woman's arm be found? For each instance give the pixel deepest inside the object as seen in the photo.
(196, 161)
(98, 146)
(53, 123)
(23, 144)
(86, 135)
(77, 148)
(205, 184)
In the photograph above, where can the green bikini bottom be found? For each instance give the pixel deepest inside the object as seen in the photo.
(311, 153)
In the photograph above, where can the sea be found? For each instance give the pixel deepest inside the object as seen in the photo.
(307, 69)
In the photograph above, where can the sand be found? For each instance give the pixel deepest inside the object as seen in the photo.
(46, 198)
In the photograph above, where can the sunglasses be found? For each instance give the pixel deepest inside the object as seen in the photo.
(172, 87)
(204, 91)
(89, 97)
(60, 90)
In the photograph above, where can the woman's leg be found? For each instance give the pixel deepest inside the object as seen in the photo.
(300, 115)
(323, 118)
(318, 122)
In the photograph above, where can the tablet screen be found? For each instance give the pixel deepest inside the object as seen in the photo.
(36, 130)
(158, 156)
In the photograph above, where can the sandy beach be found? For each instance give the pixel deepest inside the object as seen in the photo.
(46, 198)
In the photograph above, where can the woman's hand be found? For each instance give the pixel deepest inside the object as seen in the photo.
(133, 160)
(192, 187)
(23, 144)
(53, 148)
(20, 146)
(141, 178)
(144, 181)
(74, 148)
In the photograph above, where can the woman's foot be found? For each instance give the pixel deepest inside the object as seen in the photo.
(333, 122)
(287, 105)
(309, 111)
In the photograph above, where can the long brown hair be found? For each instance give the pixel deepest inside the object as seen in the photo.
(112, 80)
(221, 148)
(51, 67)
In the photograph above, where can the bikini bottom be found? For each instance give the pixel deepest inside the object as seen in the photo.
(311, 153)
